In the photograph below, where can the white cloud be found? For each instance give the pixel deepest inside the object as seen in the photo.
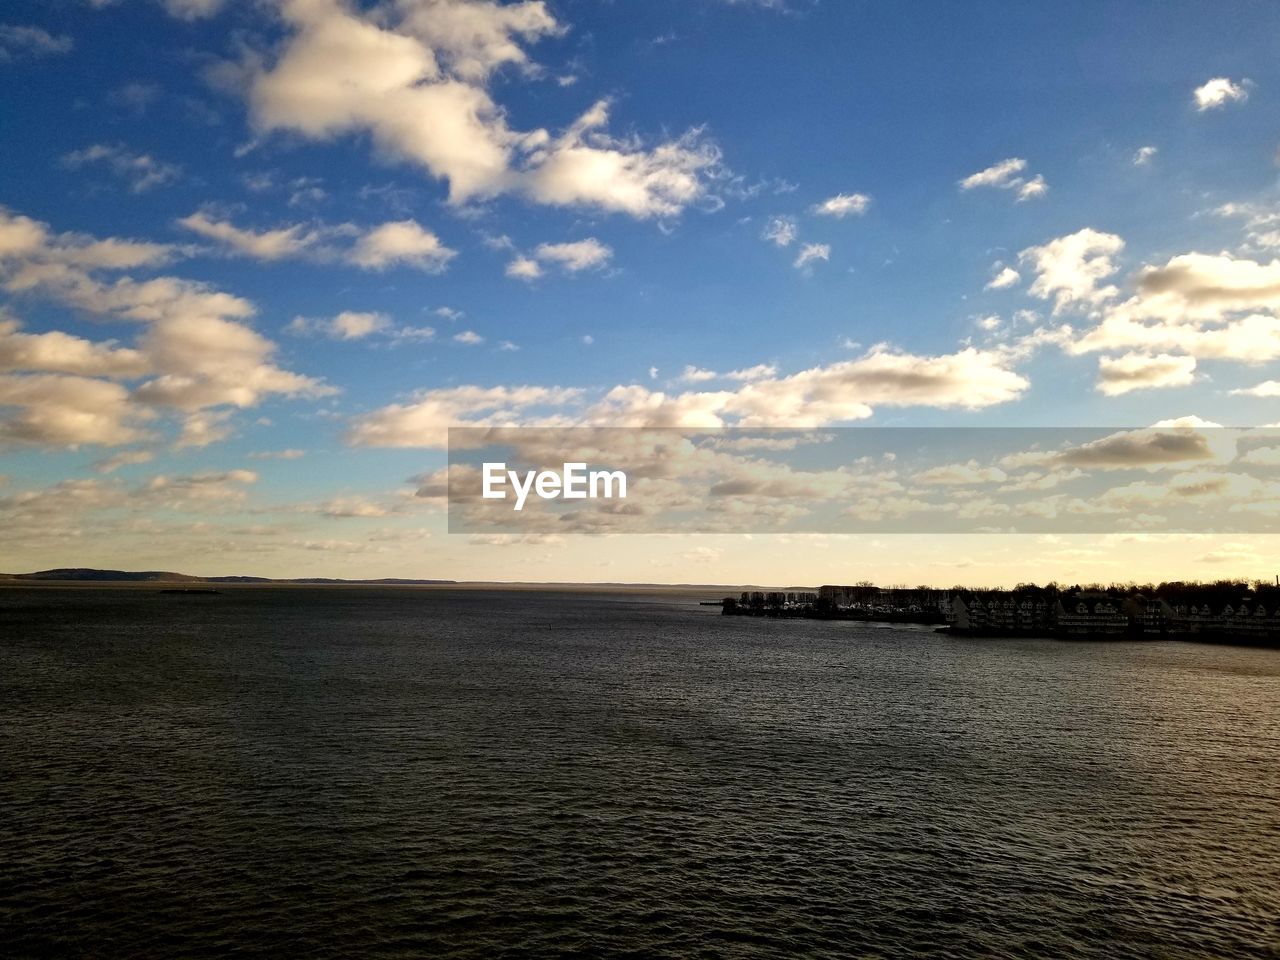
(412, 334)
(474, 39)
(586, 167)
(353, 325)
(1004, 174)
(204, 429)
(810, 252)
(1136, 371)
(66, 411)
(780, 230)
(1205, 305)
(1069, 269)
(1035, 187)
(291, 453)
(468, 338)
(1003, 278)
(1268, 388)
(278, 244)
(843, 205)
(412, 77)
(572, 257)
(1220, 91)
(968, 379)
(189, 9)
(401, 243)
(588, 254)
(1144, 155)
(141, 170)
(1007, 175)
(524, 268)
(194, 346)
(960, 474)
(1262, 457)
(17, 42)
(760, 371)
(126, 458)
(425, 421)
(57, 352)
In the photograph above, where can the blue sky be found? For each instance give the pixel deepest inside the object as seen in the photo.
(381, 246)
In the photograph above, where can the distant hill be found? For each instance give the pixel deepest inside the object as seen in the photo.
(88, 574)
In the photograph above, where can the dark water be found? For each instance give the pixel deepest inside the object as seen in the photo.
(383, 773)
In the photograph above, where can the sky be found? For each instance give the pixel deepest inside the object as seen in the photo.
(256, 256)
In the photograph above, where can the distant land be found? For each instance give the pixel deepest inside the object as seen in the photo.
(94, 575)
(90, 574)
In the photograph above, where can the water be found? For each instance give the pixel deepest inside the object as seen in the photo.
(410, 773)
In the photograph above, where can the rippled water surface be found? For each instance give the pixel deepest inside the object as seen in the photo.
(415, 773)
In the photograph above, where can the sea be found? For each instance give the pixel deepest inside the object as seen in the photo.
(412, 772)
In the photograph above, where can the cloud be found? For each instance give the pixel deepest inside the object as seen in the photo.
(1136, 371)
(126, 458)
(1007, 175)
(412, 334)
(969, 379)
(401, 243)
(960, 474)
(353, 325)
(1163, 446)
(212, 486)
(279, 244)
(203, 429)
(1003, 174)
(1069, 269)
(1220, 91)
(586, 167)
(468, 338)
(193, 346)
(66, 411)
(1003, 278)
(474, 39)
(588, 254)
(810, 252)
(843, 205)
(1035, 187)
(18, 42)
(760, 371)
(1261, 224)
(292, 453)
(356, 507)
(1206, 305)
(57, 352)
(193, 9)
(211, 361)
(347, 325)
(524, 268)
(1268, 388)
(573, 257)
(413, 77)
(1197, 284)
(1262, 457)
(141, 170)
(425, 421)
(781, 231)
(1144, 155)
